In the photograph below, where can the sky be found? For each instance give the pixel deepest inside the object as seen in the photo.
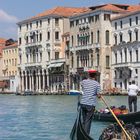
(13, 11)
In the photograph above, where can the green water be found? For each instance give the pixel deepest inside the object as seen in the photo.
(45, 117)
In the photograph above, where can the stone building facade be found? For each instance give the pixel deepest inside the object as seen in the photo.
(41, 52)
(126, 50)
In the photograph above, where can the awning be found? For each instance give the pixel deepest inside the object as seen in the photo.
(58, 64)
(55, 65)
(51, 65)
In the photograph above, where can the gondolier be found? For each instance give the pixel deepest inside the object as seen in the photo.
(132, 96)
(91, 89)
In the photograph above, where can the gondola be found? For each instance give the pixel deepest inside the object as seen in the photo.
(78, 132)
(127, 118)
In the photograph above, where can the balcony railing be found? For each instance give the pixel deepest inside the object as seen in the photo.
(85, 47)
(33, 44)
(57, 60)
(31, 64)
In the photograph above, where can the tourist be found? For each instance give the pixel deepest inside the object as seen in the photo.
(91, 89)
(132, 96)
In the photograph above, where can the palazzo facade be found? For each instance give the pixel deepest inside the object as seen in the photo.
(41, 52)
(126, 50)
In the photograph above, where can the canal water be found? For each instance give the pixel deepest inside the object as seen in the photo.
(48, 117)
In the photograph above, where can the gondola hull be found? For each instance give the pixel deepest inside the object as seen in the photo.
(78, 132)
(127, 118)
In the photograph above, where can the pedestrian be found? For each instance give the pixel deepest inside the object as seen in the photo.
(132, 96)
(91, 89)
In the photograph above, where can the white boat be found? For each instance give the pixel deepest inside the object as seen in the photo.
(74, 92)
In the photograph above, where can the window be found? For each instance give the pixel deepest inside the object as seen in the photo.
(116, 58)
(56, 35)
(48, 35)
(130, 22)
(48, 56)
(15, 61)
(121, 56)
(72, 40)
(56, 55)
(48, 21)
(40, 56)
(115, 25)
(120, 24)
(36, 24)
(125, 53)
(107, 37)
(40, 23)
(71, 23)
(77, 61)
(107, 61)
(56, 21)
(40, 36)
(19, 27)
(20, 41)
(130, 53)
(77, 22)
(27, 60)
(91, 60)
(137, 58)
(106, 16)
(72, 63)
(98, 36)
(91, 37)
(136, 35)
(136, 20)
(115, 37)
(20, 59)
(30, 25)
(98, 59)
(96, 18)
(121, 37)
(27, 40)
(27, 26)
(130, 36)
(78, 40)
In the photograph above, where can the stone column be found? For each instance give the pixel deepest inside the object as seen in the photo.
(26, 80)
(43, 76)
(36, 81)
(22, 82)
(30, 81)
(33, 82)
(39, 85)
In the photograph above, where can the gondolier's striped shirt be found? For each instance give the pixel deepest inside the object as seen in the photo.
(90, 89)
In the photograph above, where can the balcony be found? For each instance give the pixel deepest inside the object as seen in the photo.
(33, 44)
(60, 60)
(85, 47)
(33, 64)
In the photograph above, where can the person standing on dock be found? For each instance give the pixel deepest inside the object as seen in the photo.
(91, 89)
(132, 96)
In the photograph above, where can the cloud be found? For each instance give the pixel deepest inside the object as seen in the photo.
(5, 17)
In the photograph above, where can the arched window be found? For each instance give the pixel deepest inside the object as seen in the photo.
(107, 37)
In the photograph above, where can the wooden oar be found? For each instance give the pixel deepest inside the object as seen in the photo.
(116, 119)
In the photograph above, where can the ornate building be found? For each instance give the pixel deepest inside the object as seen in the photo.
(90, 41)
(126, 50)
(41, 51)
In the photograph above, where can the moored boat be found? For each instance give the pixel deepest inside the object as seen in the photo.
(114, 132)
(127, 118)
(74, 92)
